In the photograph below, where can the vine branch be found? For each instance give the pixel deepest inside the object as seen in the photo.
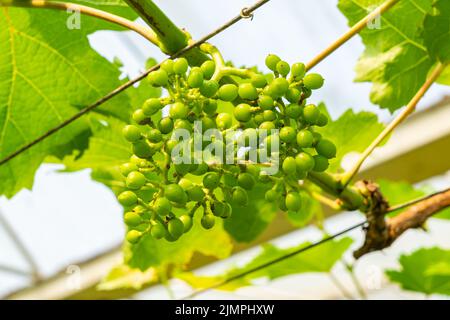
(146, 32)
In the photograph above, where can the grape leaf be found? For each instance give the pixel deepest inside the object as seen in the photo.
(318, 259)
(424, 271)
(351, 132)
(395, 60)
(47, 73)
(124, 277)
(437, 31)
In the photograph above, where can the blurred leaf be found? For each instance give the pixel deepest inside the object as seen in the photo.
(437, 31)
(124, 277)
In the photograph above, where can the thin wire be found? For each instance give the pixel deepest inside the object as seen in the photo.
(129, 83)
(415, 201)
(14, 270)
(274, 261)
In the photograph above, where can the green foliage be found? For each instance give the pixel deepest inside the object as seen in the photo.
(437, 31)
(124, 277)
(425, 270)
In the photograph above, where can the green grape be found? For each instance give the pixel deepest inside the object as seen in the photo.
(283, 68)
(242, 112)
(158, 231)
(287, 134)
(167, 66)
(227, 211)
(322, 120)
(269, 115)
(293, 95)
(218, 208)
(272, 61)
(298, 70)
(293, 201)
(313, 81)
(208, 68)
(208, 221)
(165, 125)
(271, 195)
(311, 114)
(151, 106)
(175, 194)
(239, 197)
(326, 148)
(279, 86)
(320, 163)
(224, 121)
(305, 139)
(133, 236)
(158, 78)
(195, 193)
(175, 228)
(229, 179)
(271, 140)
(258, 119)
(267, 125)
(127, 198)
(289, 166)
(154, 135)
(180, 66)
(140, 117)
(178, 111)
(142, 149)
(170, 238)
(132, 219)
(282, 204)
(317, 137)
(182, 124)
(210, 107)
(131, 133)
(247, 91)
(162, 206)
(258, 80)
(209, 88)
(266, 102)
(201, 169)
(126, 168)
(246, 181)
(293, 111)
(187, 222)
(186, 184)
(135, 180)
(228, 92)
(182, 168)
(208, 123)
(170, 144)
(304, 162)
(211, 180)
(195, 78)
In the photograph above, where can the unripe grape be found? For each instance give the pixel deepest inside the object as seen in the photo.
(175, 228)
(224, 121)
(178, 111)
(271, 140)
(210, 107)
(271, 61)
(201, 169)
(283, 68)
(258, 119)
(165, 125)
(142, 149)
(208, 221)
(242, 112)
(313, 81)
(208, 68)
(227, 211)
(208, 123)
(293, 201)
(246, 181)
(298, 70)
(209, 88)
(287, 134)
(218, 208)
(271, 195)
(126, 168)
(320, 163)
(131, 133)
(326, 148)
(196, 194)
(311, 114)
(158, 231)
(133, 236)
(167, 66)
(305, 139)
(151, 106)
(259, 81)
(211, 180)
(175, 193)
(239, 197)
(182, 124)
(158, 78)
(266, 102)
(184, 183)
(322, 120)
(162, 206)
(180, 66)
(132, 219)
(289, 166)
(317, 137)
(140, 117)
(293, 95)
(279, 86)
(154, 135)
(267, 125)
(228, 92)
(195, 78)
(269, 115)
(187, 222)
(170, 144)
(304, 162)
(127, 198)
(293, 111)
(247, 91)
(135, 180)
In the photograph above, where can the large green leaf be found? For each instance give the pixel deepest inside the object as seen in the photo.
(425, 270)
(437, 31)
(318, 259)
(395, 60)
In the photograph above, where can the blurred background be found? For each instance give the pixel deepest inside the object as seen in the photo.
(67, 218)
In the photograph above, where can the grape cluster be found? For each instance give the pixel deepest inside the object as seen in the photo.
(276, 101)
